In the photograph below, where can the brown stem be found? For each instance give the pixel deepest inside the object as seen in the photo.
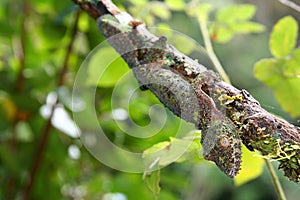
(38, 156)
(69, 50)
(46, 132)
(18, 88)
(102, 7)
(21, 56)
(22, 50)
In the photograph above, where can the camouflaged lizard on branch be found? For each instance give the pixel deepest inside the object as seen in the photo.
(227, 116)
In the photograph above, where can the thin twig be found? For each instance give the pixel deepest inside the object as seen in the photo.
(209, 48)
(69, 50)
(38, 156)
(275, 180)
(22, 53)
(290, 4)
(21, 57)
(43, 141)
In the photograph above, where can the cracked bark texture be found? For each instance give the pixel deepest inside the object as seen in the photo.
(226, 115)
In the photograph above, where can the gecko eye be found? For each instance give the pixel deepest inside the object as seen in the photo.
(224, 142)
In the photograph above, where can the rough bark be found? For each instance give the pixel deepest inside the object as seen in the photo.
(226, 115)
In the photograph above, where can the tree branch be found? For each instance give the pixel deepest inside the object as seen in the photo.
(290, 4)
(18, 89)
(209, 48)
(226, 115)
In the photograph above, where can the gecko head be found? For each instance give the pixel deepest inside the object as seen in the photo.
(222, 145)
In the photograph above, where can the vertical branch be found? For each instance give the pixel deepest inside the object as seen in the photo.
(209, 48)
(21, 57)
(22, 53)
(68, 52)
(275, 180)
(18, 88)
(45, 135)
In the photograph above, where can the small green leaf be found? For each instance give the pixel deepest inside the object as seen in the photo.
(283, 37)
(152, 181)
(283, 74)
(138, 2)
(285, 84)
(192, 153)
(293, 66)
(83, 23)
(247, 27)
(234, 20)
(236, 13)
(149, 20)
(204, 10)
(160, 10)
(157, 147)
(175, 4)
(165, 153)
(194, 9)
(106, 68)
(269, 70)
(252, 167)
(221, 34)
(287, 92)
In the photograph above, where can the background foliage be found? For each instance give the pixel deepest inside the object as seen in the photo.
(35, 37)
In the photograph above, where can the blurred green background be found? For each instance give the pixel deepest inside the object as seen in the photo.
(42, 47)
